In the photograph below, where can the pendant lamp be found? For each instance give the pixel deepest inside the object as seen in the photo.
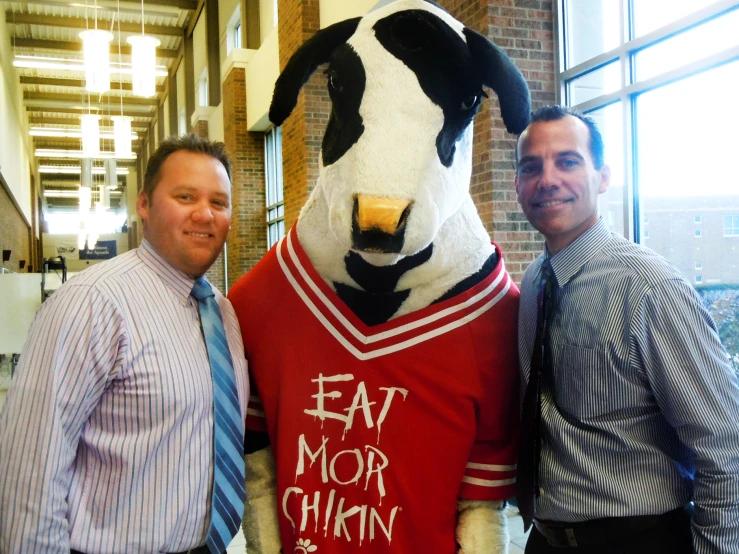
(96, 51)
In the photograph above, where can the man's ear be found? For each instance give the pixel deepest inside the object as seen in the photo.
(142, 206)
(605, 178)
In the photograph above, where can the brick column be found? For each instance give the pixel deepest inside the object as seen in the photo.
(523, 28)
(302, 132)
(217, 272)
(247, 241)
(200, 128)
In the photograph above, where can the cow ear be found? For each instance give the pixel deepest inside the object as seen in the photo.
(500, 74)
(314, 52)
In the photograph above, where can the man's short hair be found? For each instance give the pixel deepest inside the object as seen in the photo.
(189, 143)
(556, 112)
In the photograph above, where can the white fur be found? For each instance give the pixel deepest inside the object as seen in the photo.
(260, 524)
(482, 527)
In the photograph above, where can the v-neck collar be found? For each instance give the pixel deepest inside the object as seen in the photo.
(366, 342)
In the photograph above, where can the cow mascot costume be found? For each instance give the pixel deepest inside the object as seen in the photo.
(381, 331)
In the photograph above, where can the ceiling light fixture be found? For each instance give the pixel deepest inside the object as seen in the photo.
(144, 60)
(90, 135)
(97, 59)
(111, 182)
(122, 136)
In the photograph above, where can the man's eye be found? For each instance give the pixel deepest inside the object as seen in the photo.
(185, 197)
(528, 169)
(569, 163)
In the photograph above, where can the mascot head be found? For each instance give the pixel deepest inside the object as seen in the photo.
(405, 82)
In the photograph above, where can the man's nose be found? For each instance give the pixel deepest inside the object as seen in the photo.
(549, 176)
(202, 212)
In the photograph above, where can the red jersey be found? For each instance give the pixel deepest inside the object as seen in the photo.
(378, 431)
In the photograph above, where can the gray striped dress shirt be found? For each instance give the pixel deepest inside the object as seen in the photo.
(106, 439)
(641, 413)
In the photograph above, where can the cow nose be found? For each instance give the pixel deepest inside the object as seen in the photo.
(378, 213)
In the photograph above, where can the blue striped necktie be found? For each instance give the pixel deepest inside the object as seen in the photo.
(227, 504)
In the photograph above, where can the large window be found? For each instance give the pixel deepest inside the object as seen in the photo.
(273, 177)
(731, 225)
(660, 77)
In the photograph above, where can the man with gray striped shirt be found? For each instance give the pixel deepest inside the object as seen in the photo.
(639, 426)
(107, 438)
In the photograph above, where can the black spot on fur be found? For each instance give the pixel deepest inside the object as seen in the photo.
(379, 300)
(466, 284)
(346, 82)
(255, 441)
(372, 309)
(314, 52)
(443, 65)
(383, 279)
(500, 74)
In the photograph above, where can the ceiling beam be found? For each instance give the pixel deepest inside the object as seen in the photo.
(77, 83)
(181, 4)
(114, 100)
(51, 142)
(112, 4)
(138, 126)
(56, 160)
(79, 110)
(80, 23)
(76, 46)
(193, 19)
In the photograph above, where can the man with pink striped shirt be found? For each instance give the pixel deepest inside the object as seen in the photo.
(107, 439)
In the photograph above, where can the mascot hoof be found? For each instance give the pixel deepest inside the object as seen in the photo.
(482, 527)
(261, 527)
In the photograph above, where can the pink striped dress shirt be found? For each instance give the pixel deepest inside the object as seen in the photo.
(106, 439)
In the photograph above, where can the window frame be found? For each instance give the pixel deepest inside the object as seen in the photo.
(236, 35)
(630, 87)
(274, 192)
(733, 228)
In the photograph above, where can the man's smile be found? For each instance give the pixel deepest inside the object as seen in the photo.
(550, 203)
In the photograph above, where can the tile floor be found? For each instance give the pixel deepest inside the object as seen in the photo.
(238, 545)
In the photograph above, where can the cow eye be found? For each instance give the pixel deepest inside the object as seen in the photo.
(470, 102)
(334, 83)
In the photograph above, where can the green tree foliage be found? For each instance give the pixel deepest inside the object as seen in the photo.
(723, 303)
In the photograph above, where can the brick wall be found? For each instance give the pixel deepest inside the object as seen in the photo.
(247, 241)
(302, 132)
(14, 234)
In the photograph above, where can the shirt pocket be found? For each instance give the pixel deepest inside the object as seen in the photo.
(587, 384)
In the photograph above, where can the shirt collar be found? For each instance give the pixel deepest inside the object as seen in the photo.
(567, 262)
(178, 281)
